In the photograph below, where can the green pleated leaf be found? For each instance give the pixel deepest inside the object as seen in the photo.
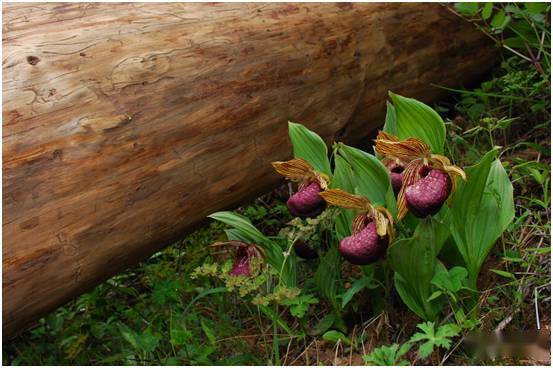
(414, 260)
(390, 124)
(343, 178)
(481, 210)
(416, 119)
(328, 276)
(309, 146)
(372, 179)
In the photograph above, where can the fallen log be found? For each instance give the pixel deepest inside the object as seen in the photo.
(124, 125)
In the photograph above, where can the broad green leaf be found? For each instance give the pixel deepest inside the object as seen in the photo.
(415, 260)
(482, 209)
(451, 280)
(343, 178)
(505, 274)
(390, 124)
(536, 8)
(372, 177)
(335, 336)
(309, 146)
(416, 119)
(328, 275)
(324, 324)
(487, 11)
(514, 42)
(500, 20)
(357, 286)
(467, 8)
(434, 295)
(241, 224)
(407, 294)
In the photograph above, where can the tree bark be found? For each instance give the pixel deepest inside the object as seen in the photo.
(126, 124)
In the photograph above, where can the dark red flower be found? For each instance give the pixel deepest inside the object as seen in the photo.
(427, 195)
(372, 229)
(396, 175)
(307, 202)
(427, 179)
(363, 247)
(244, 256)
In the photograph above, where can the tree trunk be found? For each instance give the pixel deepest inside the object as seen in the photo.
(126, 124)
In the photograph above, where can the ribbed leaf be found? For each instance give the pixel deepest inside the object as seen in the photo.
(309, 146)
(372, 179)
(415, 260)
(416, 119)
(327, 276)
(390, 124)
(343, 179)
(481, 210)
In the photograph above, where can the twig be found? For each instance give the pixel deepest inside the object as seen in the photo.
(287, 351)
(338, 344)
(351, 347)
(303, 352)
(317, 350)
(505, 322)
(535, 60)
(541, 44)
(537, 308)
(446, 357)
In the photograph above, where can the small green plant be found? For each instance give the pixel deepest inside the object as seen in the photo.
(430, 338)
(388, 355)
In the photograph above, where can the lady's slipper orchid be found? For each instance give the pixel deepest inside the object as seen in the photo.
(372, 229)
(247, 257)
(428, 179)
(306, 202)
(396, 169)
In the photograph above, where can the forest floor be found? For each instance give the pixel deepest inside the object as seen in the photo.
(156, 313)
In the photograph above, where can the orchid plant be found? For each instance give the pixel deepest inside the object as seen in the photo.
(398, 207)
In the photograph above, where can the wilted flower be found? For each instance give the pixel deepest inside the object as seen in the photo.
(427, 179)
(246, 257)
(306, 202)
(372, 229)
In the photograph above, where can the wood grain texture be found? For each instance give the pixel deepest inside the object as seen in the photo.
(124, 125)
